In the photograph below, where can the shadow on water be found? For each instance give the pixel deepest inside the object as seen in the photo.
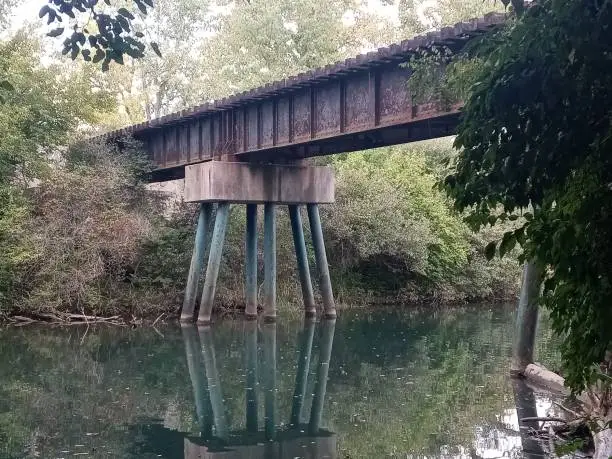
(299, 437)
(385, 383)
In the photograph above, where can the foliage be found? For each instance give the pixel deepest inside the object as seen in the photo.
(392, 230)
(535, 141)
(263, 41)
(85, 251)
(98, 33)
(36, 117)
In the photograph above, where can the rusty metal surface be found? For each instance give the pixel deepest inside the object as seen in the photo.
(360, 103)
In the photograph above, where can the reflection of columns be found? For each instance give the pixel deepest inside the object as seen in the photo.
(214, 261)
(527, 317)
(198, 378)
(197, 262)
(526, 408)
(316, 412)
(214, 383)
(302, 260)
(251, 376)
(316, 230)
(251, 261)
(269, 375)
(303, 366)
(270, 261)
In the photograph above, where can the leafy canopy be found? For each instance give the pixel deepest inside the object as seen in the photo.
(97, 31)
(536, 139)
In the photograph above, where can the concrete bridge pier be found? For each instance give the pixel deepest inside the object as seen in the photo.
(227, 183)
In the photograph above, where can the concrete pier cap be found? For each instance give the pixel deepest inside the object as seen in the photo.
(218, 181)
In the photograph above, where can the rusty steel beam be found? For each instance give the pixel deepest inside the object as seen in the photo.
(361, 103)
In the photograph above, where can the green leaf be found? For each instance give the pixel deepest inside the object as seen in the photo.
(490, 250)
(155, 48)
(507, 244)
(98, 56)
(44, 11)
(6, 85)
(56, 32)
(125, 13)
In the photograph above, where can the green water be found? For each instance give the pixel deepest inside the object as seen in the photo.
(399, 384)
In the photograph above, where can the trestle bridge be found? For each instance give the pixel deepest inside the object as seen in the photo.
(250, 149)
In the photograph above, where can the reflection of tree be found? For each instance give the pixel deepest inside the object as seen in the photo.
(443, 373)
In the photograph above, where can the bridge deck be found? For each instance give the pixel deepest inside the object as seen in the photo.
(361, 103)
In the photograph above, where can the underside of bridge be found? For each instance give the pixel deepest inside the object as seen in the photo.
(246, 149)
(361, 103)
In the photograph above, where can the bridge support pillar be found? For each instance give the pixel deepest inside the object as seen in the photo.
(253, 184)
(321, 259)
(270, 262)
(197, 262)
(302, 260)
(214, 262)
(250, 264)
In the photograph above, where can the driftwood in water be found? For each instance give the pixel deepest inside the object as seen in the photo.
(65, 319)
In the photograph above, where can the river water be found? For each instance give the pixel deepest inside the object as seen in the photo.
(389, 383)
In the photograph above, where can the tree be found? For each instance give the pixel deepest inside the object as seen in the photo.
(99, 33)
(535, 141)
(262, 41)
(150, 87)
(37, 117)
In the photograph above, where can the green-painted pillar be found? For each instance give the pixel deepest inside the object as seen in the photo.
(301, 377)
(251, 261)
(321, 259)
(214, 261)
(197, 262)
(302, 260)
(251, 376)
(316, 412)
(526, 318)
(269, 375)
(214, 383)
(270, 261)
(197, 374)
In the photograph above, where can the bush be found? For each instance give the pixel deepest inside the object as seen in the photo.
(91, 219)
(391, 233)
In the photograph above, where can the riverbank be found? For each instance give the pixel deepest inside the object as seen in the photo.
(285, 309)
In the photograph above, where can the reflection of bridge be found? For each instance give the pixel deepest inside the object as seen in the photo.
(298, 439)
(246, 149)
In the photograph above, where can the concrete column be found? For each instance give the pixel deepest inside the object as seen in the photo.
(321, 259)
(316, 412)
(197, 374)
(214, 261)
(526, 318)
(303, 366)
(252, 424)
(270, 261)
(302, 260)
(214, 382)
(251, 261)
(197, 262)
(269, 374)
